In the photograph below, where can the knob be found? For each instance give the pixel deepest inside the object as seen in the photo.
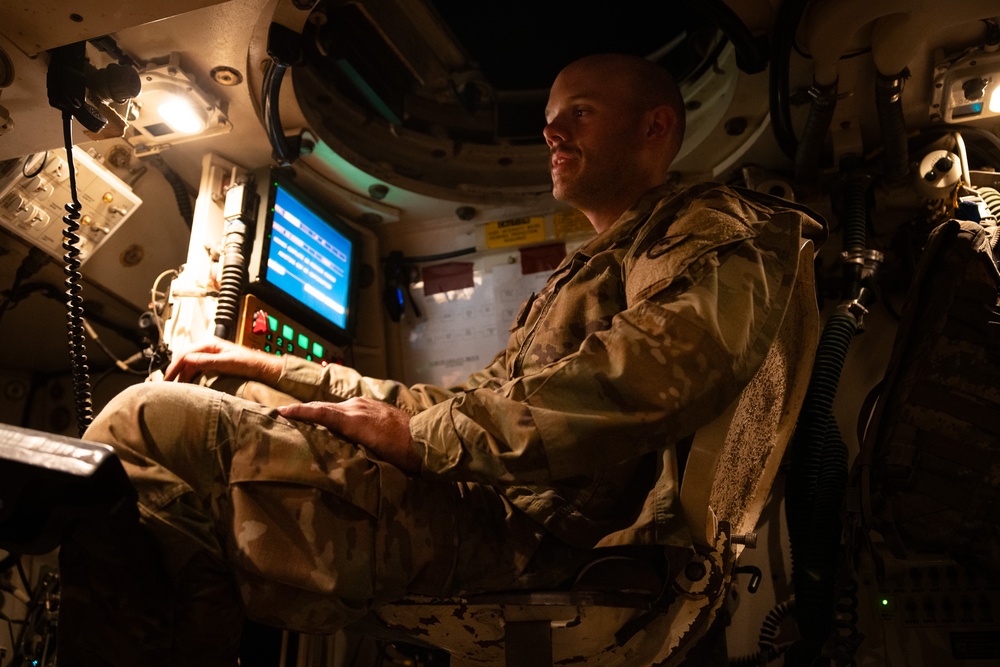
(944, 164)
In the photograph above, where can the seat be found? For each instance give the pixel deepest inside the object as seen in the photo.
(644, 604)
(49, 483)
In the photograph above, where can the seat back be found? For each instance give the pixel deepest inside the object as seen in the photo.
(734, 459)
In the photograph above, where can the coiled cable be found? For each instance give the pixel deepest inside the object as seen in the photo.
(232, 280)
(767, 641)
(74, 302)
(845, 625)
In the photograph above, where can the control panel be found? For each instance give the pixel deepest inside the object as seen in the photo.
(33, 201)
(262, 327)
(933, 613)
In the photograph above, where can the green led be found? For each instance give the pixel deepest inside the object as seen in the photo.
(303, 341)
(272, 322)
(885, 602)
(287, 332)
(318, 350)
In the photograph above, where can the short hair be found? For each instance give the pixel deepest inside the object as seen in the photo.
(652, 84)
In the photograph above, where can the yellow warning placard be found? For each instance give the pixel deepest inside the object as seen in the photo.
(570, 223)
(516, 231)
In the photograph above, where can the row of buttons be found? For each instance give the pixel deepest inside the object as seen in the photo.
(286, 340)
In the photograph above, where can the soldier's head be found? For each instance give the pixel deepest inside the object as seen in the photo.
(614, 123)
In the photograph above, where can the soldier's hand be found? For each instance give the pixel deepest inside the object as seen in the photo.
(378, 426)
(221, 357)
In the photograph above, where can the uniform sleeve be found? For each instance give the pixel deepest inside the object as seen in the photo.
(667, 365)
(309, 381)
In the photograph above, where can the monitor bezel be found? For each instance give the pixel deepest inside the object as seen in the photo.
(273, 295)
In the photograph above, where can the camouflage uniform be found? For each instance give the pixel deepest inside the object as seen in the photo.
(566, 441)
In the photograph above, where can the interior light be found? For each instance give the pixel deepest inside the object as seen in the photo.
(966, 87)
(181, 115)
(172, 109)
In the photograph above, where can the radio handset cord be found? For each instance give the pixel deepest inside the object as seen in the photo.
(67, 90)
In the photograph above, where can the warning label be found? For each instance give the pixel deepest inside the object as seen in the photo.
(517, 231)
(570, 223)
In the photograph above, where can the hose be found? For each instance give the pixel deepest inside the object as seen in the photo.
(819, 457)
(284, 51)
(179, 189)
(751, 53)
(786, 25)
(824, 103)
(767, 639)
(889, 104)
(818, 477)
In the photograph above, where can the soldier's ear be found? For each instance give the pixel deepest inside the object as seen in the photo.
(660, 123)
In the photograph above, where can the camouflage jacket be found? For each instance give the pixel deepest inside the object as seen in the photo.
(641, 336)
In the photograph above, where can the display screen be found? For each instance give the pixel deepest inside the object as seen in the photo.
(308, 257)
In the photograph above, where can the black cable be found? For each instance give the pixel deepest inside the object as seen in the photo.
(74, 302)
(783, 36)
(13, 296)
(284, 50)
(118, 363)
(179, 188)
(36, 172)
(24, 577)
(967, 131)
(108, 45)
(751, 51)
(32, 263)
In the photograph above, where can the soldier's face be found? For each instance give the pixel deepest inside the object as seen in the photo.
(592, 130)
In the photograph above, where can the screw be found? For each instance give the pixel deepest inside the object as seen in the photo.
(749, 540)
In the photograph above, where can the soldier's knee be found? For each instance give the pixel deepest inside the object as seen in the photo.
(164, 411)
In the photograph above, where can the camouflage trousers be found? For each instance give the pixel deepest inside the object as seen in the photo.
(244, 512)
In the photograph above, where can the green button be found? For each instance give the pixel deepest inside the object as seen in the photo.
(287, 331)
(272, 323)
(290, 347)
(280, 342)
(303, 341)
(318, 350)
(267, 347)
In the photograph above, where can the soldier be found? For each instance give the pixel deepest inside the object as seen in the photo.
(314, 494)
